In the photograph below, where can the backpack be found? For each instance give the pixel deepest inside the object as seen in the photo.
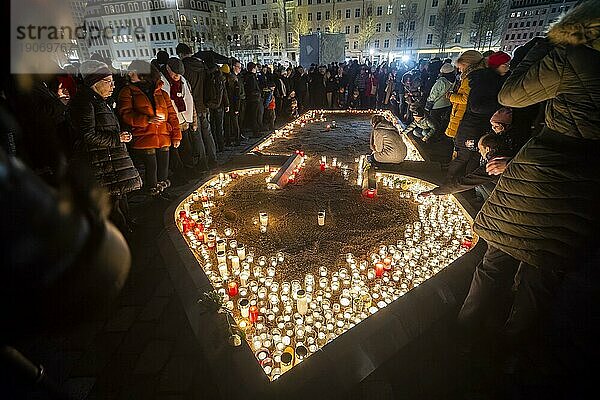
(213, 88)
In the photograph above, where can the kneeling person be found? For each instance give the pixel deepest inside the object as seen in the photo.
(386, 142)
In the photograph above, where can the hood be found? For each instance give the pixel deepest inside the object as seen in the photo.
(580, 26)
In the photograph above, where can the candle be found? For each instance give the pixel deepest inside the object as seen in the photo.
(323, 166)
(263, 218)
(223, 270)
(379, 267)
(241, 251)
(301, 302)
(244, 275)
(244, 307)
(321, 218)
(253, 313)
(232, 289)
(235, 262)
(221, 257)
(371, 193)
(221, 245)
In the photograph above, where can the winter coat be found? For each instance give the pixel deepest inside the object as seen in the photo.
(233, 92)
(463, 183)
(98, 141)
(195, 74)
(387, 144)
(251, 87)
(360, 82)
(427, 126)
(482, 103)
(437, 96)
(135, 108)
(186, 116)
(459, 104)
(545, 209)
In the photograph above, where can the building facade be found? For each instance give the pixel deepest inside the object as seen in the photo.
(123, 31)
(530, 18)
(385, 29)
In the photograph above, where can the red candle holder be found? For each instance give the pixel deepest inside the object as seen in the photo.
(370, 193)
(232, 289)
(253, 314)
(182, 214)
(467, 243)
(323, 167)
(292, 178)
(186, 226)
(379, 267)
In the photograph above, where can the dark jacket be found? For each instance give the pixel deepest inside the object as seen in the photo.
(97, 133)
(481, 105)
(469, 181)
(251, 87)
(195, 74)
(233, 92)
(545, 209)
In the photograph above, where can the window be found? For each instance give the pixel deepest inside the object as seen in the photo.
(457, 37)
(390, 9)
(266, 39)
(465, 1)
(233, 3)
(347, 29)
(461, 18)
(299, 17)
(527, 23)
(299, 2)
(512, 37)
(429, 38)
(338, 14)
(355, 45)
(449, 2)
(346, 45)
(243, 2)
(432, 20)
(521, 24)
(357, 13)
(541, 22)
(506, 37)
(398, 43)
(510, 25)
(518, 36)
(347, 13)
(356, 29)
(265, 19)
(310, 16)
(409, 42)
(411, 26)
(386, 43)
(376, 43)
(253, 2)
(327, 15)
(534, 23)
(434, 3)
(378, 27)
(388, 26)
(318, 15)
(290, 37)
(255, 38)
(553, 10)
(530, 35)
(379, 10)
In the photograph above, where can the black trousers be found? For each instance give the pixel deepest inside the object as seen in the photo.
(442, 117)
(210, 148)
(119, 213)
(216, 127)
(251, 115)
(156, 165)
(232, 129)
(527, 291)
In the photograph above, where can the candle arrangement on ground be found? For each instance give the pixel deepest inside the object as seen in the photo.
(299, 266)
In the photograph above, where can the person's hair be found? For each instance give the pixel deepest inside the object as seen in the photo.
(145, 71)
(496, 143)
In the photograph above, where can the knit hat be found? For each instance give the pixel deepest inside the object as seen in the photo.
(447, 68)
(502, 116)
(225, 68)
(93, 72)
(470, 57)
(497, 59)
(176, 65)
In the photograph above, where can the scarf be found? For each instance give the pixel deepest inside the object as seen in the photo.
(176, 93)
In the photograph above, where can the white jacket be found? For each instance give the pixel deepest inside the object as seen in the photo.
(188, 114)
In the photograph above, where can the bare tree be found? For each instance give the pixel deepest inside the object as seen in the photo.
(487, 24)
(367, 31)
(299, 27)
(406, 18)
(446, 24)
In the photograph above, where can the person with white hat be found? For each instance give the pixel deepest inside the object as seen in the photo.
(438, 101)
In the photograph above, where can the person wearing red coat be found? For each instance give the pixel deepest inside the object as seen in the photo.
(149, 113)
